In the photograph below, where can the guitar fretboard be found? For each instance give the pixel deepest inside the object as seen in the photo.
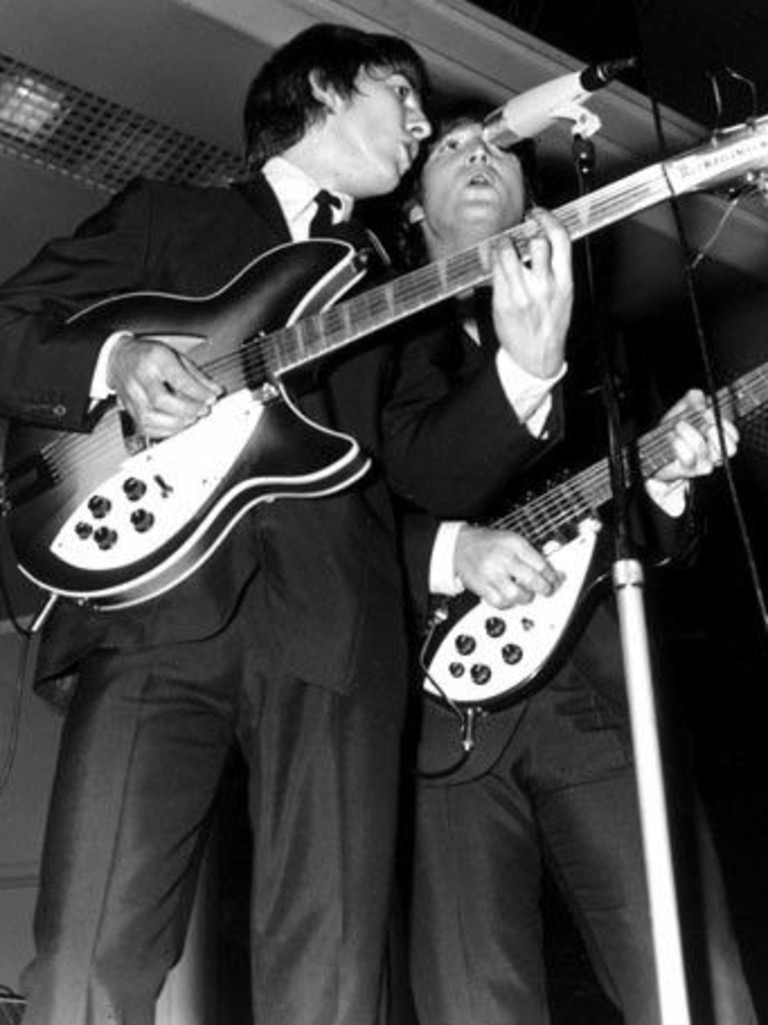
(565, 505)
(735, 152)
(383, 305)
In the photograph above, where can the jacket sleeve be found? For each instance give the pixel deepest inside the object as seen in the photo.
(418, 531)
(42, 381)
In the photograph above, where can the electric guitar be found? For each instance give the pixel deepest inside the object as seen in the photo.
(477, 655)
(110, 519)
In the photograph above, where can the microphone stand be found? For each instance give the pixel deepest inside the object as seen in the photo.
(628, 584)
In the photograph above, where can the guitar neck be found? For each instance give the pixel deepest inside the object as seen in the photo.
(377, 308)
(732, 153)
(561, 508)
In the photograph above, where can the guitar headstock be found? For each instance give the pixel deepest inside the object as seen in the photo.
(734, 158)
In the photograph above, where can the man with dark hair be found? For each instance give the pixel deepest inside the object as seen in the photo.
(550, 778)
(289, 638)
(283, 102)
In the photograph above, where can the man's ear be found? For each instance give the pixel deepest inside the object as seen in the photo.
(325, 94)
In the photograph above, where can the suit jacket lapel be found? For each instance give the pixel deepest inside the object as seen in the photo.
(262, 200)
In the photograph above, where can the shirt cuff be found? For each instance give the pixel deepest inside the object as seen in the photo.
(530, 396)
(442, 576)
(670, 496)
(99, 387)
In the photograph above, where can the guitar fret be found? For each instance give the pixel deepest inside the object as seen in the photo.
(568, 503)
(377, 308)
(335, 322)
(468, 267)
(431, 284)
(378, 304)
(384, 305)
(242, 355)
(407, 294)
(310, 335)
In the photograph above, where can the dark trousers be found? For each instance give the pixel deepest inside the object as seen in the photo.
(143, 748)
(563, 794)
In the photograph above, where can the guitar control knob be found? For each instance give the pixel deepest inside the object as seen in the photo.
(480, 674)
(83, 530)
(511, 653)
(134, 489)
(495, 626)
(99, 506)
(456, 669)
(142, 520)
(465, 644)
(105, 538)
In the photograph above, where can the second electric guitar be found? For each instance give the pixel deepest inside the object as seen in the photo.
(480, 656)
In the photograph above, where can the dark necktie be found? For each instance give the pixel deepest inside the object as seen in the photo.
(484, 317)
(322, 222)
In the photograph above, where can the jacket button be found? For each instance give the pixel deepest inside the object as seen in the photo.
(59, 411)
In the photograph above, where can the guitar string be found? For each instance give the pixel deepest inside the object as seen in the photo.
(413, 291)
(558, 507)
(573, 495)
(92, 448)
(260, 354)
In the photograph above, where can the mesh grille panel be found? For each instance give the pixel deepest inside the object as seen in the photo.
(101, 144)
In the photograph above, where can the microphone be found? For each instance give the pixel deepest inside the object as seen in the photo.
(530, 113)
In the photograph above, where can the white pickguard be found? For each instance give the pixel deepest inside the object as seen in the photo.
(158, 491)
(489, 652)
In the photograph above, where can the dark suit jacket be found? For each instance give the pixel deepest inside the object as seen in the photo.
(324, 571)
(453, 443)
(315, 563)
(595, 652)
(478, 454)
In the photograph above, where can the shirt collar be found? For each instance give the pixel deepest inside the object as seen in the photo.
(296, 191)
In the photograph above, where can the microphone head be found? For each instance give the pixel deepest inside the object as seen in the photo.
(480, 111)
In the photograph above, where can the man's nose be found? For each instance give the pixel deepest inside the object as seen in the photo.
(478, 152)
(418, 125)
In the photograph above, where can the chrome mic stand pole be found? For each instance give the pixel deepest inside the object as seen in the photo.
(628, 583)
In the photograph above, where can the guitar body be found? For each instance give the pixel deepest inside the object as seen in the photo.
(110, 521)
(478, 656)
